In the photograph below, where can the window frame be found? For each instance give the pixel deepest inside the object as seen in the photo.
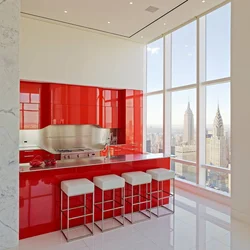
(200, 87)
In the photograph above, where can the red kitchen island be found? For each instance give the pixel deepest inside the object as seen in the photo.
(39, 209)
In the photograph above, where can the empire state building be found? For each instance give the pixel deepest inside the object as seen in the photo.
(188, 134)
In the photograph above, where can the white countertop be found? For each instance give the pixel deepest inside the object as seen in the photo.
(85, 162)
(28, 147)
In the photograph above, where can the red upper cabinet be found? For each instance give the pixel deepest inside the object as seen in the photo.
(89, 96)
(59, 94)
(30, 98)
(73, 95)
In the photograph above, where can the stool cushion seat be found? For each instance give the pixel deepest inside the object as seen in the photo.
(77, 187)
(109, 182)
(161, 174)
(137, 178)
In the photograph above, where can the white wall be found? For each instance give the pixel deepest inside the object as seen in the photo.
(240, 109)
(63, 54)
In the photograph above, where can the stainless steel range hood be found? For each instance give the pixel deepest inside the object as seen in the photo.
(56, 137)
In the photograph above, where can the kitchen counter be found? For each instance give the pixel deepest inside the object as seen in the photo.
(39, 193)
(73, 163)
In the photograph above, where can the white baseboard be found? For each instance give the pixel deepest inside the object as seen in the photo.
(201, 191)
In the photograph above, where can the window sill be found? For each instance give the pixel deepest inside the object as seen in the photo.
(205, 192)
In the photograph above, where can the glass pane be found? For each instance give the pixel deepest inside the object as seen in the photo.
(154, 142)
(31, 119)
(155, 66)
(24, 97)
(218, 43)
(218, 180)
(35, 98)
(218, 128)
(184, 172)
(183, 140)
(184, 55)
(31, 107)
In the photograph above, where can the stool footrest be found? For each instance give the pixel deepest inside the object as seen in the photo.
(80, 216)
(138, 203)
(73, 208)
(111, 209)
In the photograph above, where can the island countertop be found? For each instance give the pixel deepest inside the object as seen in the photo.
(84, 162)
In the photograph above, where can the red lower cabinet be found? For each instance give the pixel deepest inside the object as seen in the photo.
(39, 207)
(25, 156)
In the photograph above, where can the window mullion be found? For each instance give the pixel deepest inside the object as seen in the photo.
(202, 100)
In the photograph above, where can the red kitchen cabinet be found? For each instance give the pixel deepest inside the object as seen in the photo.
(30, 96)
(90, 96)
(130, 125)
(25, 156)
(110, 98)
(74, 114)
(58, 94)
(59, 114)
(74, 95)
(45, 104)
(89, 115)
(109, 117)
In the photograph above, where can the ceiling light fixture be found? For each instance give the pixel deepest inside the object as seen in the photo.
(141, 36)
(108, 22)
(65, 11)
(203, 1)
(164, 24)
(131, 3)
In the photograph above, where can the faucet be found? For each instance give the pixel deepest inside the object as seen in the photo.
(107, 146)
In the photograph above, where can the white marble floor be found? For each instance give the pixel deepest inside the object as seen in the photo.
(198, 224)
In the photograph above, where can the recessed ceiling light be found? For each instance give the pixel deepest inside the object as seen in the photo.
(108, 22)
(66, 11)
(164, 24)
(141, 36)
(130, 2)
(203, 1)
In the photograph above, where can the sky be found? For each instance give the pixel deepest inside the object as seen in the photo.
(184, 69)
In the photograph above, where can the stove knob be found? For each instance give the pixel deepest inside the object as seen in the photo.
(77, 156)
(68, 157)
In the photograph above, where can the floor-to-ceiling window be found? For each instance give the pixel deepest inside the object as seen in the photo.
(154, 138)
(188, 99)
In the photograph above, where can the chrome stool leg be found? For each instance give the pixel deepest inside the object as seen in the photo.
(113, 201)
(147, 202)
(162, 195)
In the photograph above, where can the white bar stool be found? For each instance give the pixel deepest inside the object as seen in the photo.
(136, 179)
(72, 188)
(160, 175)
(112, 183)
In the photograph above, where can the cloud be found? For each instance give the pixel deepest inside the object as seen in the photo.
(153, 50)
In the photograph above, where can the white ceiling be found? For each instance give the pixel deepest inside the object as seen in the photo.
(130, 21)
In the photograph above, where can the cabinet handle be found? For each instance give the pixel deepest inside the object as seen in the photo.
(27, 156)
(29, 151)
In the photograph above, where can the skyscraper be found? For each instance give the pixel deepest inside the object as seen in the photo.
(187, 150)
(188, 133)
(218, 142)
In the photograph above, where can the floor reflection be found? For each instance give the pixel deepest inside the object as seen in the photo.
(198, 224)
